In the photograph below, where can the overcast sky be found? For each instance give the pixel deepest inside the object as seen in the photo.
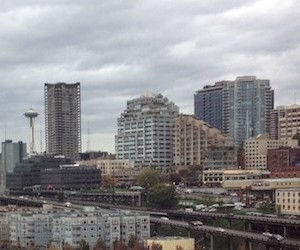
(119, 49)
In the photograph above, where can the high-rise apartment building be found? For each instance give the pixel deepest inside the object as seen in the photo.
(208, 104)
(289, 121)
(193, 138)
(63, 119)
(145, 131)
(245, 109)
(274, 122)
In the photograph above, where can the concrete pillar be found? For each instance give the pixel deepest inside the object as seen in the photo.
(230, 223)
(212, 247)
(268, 247)
(284, 231)
(230, 243)
(249, 245)
(214, 222)
(248, 226)
(266, 228)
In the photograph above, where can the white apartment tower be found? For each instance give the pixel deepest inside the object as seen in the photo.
(145, 131)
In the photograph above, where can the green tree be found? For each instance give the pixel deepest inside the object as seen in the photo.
(119, 245)
(108, 181)
(83, 245)
(155, 246)
(163, 196)
(100, 245)
(267, 207)
(68, 247)
(61, 196)
(138, 245)
(149, 178)
(131, 241)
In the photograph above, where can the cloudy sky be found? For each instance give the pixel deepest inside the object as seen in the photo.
(119, 49)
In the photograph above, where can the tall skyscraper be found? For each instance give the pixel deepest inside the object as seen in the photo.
(245, 110)
(145, 131)
(208, 104)
(63, 119)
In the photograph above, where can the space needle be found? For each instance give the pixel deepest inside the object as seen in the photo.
(31, 114)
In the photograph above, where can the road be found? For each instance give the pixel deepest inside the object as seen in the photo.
(229, 232)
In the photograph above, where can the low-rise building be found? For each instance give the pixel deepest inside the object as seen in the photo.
(4, 228)
(57, 173)
(220, 157)
(288, 201)
(262, 184)
(256, 150)
(218, 177)
(39, 228)
(123, 171)
(172, 242)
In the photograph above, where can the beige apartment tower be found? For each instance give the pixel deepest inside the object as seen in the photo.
(193, 138)
(63, 119)
(289, 122)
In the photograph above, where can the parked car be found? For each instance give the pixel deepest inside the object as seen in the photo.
(267, 234)
(196, 223)
(278, 237)
(164, 218)
(271, 236)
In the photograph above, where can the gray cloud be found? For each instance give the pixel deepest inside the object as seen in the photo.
(120, 49)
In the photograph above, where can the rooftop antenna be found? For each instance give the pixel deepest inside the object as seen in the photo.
(88, 142)
(5, 135)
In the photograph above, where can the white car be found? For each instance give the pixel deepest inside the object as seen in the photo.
(267, 234)
(278, 237)
(68, 204)
(164, 218)
(220, 229)
(196, 223)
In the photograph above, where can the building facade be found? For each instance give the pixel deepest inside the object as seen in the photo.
(284, 162)
(208, 104)
(53, 173)
(218, 177)
(288, 201)
(220, 157)
(123, 171)
(63, 119)
(38, 229)
(274, 122)
(12, 154)
(193, 137)
(145, 131)
(289, 121)
(246, 106)
(256, 150)
(172, 243)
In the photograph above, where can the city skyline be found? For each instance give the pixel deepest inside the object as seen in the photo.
(119, 50)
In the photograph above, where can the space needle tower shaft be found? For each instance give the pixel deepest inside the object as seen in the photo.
(31, 115)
